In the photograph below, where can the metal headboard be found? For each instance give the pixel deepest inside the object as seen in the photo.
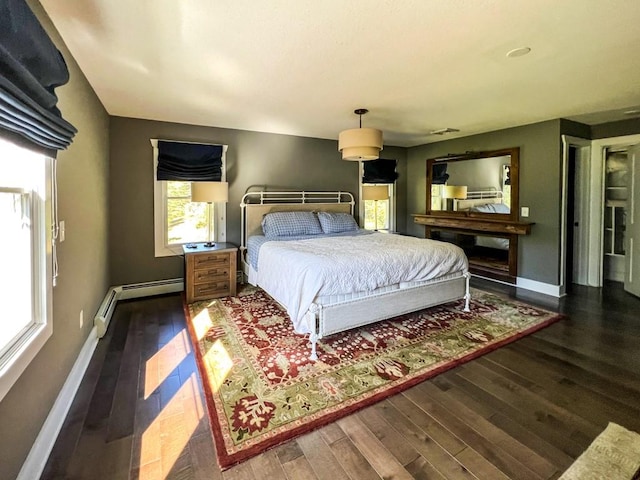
(255, 205)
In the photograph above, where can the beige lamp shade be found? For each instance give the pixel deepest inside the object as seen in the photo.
(375, 192)
(209, 192)
(454, 191)
(360, 144)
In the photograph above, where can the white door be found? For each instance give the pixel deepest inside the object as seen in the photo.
(632, 232)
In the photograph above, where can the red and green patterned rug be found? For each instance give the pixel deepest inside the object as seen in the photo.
(262, 390)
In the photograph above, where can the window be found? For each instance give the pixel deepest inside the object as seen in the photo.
(177, 220)
(25, 256)
(377, 194)
(378, 213)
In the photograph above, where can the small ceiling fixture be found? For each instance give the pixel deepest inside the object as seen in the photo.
(442, 131)
(518, 52)
(360, 143)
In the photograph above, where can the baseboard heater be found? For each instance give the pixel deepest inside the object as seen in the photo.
(134, 290)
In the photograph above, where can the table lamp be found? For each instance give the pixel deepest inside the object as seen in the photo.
(209, 192)
(375, 193)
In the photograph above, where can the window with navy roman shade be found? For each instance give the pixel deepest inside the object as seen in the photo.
(31, 68)
(379, 171)
(192, 162)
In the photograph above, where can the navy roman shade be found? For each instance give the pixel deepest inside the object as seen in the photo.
(190, 162)
(379, 171)
(31, 67)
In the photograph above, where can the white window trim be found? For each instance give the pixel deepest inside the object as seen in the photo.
(16, 361)
(392, 202)
(160, 214)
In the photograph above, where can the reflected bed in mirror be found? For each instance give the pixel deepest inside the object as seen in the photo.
(474, 184)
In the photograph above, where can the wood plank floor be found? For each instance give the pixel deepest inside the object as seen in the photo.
(524, 411)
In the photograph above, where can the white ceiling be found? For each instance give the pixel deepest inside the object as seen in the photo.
(302, 66)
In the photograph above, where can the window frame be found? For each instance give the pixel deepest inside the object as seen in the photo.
(28, 343)
(162, 248)
(392, 202)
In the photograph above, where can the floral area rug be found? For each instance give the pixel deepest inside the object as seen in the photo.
(262, 390)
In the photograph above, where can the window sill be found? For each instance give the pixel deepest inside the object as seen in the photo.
(19, 360)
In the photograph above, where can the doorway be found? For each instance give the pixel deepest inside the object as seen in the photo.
(602, 215)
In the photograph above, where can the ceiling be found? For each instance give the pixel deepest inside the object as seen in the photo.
(301, 67)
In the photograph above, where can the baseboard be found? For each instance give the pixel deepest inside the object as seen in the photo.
(134, 290)
(39, 454)
(41, 449)
(540, 287)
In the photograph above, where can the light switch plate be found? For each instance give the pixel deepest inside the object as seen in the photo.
(524, 212)
(61, 231)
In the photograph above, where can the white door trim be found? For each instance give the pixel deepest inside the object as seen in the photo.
(584, 146)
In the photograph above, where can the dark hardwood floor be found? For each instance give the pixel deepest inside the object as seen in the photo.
(524, 411)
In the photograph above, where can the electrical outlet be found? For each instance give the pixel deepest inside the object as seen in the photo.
(81, 318)
(524, 212)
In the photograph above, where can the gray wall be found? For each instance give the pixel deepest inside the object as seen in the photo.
(540, 167)
(83, 281)
(616, 129)
(253, 159)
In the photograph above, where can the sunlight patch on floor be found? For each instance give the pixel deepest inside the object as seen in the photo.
(218, 364)
(167, 436)
(163, 363)
(201, 323)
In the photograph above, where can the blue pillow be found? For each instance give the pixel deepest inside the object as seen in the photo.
(337, 222)
(491, 208)
(287, 224)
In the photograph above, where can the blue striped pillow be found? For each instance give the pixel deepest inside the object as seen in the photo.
(287, 224)
(337, 222)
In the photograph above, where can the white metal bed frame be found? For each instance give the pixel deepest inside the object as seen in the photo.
(479, 197)
(336, 317)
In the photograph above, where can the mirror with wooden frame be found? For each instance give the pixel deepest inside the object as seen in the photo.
(474, 184)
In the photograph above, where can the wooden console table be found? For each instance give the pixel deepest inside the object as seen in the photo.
(505, 269)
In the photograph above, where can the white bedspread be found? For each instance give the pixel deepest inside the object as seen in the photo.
(296, 272)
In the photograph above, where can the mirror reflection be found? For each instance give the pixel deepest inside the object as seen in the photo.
(474, 184)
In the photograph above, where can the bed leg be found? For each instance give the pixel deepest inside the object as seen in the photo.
(467, 295)
(313, 338)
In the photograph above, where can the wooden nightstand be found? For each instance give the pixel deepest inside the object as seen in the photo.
(210, 272)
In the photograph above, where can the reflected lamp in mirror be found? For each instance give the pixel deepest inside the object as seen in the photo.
(375, 193)
(209, 192)
(453, 192)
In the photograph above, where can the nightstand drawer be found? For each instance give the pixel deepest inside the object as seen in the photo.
(211, 274)
(219, 288)
(211, 260)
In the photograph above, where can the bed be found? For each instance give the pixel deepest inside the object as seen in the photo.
(480, 200)
(333, 278)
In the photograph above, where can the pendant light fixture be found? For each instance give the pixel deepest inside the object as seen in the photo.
(360, 143)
